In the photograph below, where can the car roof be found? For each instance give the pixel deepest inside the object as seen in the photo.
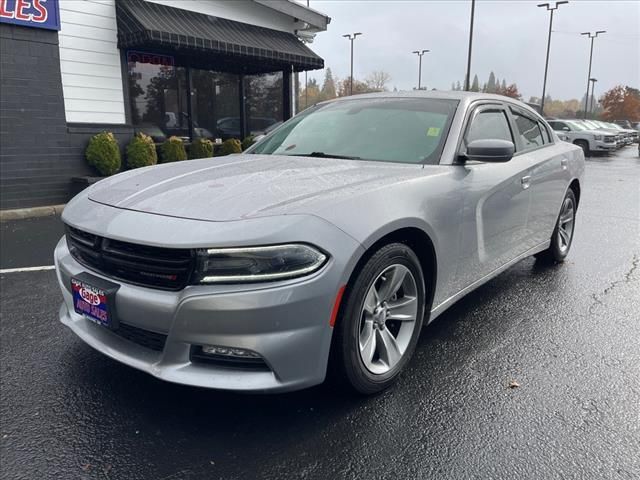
(465, 98)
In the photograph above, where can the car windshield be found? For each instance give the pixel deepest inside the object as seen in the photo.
(591, 125)
(405, 130)
(577, 126)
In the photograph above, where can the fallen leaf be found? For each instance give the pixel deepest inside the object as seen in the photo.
(513, 384)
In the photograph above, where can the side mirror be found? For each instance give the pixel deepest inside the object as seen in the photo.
(490, 150)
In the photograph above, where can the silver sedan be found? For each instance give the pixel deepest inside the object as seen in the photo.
(323, 248)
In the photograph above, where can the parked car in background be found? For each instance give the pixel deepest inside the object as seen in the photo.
(621, 136)
(337, 236)
(589, 139)
(631, 134)
(624, 124)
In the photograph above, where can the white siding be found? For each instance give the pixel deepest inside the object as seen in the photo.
(90, 62)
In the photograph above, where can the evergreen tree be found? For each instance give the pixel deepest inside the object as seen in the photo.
(474, 86)
(484, 87)
(458, 86)
(328, 90)
(453, 86)
(504, 85)
(491, 85)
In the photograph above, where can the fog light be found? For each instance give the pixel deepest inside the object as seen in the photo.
(232, 352)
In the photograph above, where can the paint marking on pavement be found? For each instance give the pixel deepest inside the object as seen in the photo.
(28, 269)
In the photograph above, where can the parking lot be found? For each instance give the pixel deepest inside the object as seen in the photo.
(534, 375)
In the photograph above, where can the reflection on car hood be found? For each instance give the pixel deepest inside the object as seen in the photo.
(244, 186)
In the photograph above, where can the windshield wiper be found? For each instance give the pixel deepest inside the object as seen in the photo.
(323, 155)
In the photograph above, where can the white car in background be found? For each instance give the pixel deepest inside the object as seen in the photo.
(590, 140)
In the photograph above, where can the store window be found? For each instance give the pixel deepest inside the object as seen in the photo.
(215, 104)
(265, 101)
(158, 95)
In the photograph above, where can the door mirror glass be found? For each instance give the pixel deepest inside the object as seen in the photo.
(490, 150)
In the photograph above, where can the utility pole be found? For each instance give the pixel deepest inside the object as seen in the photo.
(550, 8)
(351, 38)
(591, 35)
(467, 79)
(420, 53)
(593, 84)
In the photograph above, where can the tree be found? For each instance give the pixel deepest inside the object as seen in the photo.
(377, 81)
(621, 103)
(511, 91)
(310, 95)
(328, 90)
(484, 87)
(504, 85)
(458, 86)
(453, 86)
(474, 86)
(358, 87)
(491, 84)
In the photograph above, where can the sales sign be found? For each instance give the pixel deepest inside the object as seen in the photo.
(31, 13)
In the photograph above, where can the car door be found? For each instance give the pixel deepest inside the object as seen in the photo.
(496, 198)
(548, 174)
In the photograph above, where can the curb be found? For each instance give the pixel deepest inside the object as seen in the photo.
(24, 213)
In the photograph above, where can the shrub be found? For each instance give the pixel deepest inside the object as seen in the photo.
(141, 151)
(231, 145)
(247, 142)
(103, 153)
(172, 150)
(201, 148)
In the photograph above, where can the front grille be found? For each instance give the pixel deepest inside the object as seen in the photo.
(609, 139)
(155, 267)
(144, 338)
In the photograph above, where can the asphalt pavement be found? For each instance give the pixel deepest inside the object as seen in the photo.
(534, 375)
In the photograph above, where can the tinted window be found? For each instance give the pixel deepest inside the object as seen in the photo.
(489, 124)
(529, 131)
(406, 130)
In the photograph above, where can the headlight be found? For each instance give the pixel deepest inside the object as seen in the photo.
(597, 137)
(258, 264)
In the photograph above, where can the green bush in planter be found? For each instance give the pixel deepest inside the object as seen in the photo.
(232, 145)
(141, 151)
(172, 150)
(201, 148)
(103, 153)
(247, 142)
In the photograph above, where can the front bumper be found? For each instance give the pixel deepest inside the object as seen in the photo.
(286, 323)
(604, 146)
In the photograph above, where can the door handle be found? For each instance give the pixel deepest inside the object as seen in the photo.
(564, 163)
(525, 181)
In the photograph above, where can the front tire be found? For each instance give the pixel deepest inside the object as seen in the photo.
(380, 320)
(584, 145)
(562, 236)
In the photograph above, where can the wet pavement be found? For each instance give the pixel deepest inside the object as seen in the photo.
(568, 335)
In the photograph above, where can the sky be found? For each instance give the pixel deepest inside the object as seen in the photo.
(510, 38)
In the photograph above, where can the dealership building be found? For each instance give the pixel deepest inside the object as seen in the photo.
(191, 68)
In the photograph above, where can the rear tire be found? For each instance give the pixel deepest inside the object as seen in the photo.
(562, 236)
(380, 320)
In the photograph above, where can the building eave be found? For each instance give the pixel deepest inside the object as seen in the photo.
(317, 21)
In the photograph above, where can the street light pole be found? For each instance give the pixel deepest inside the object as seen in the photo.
(467, 79)
(351, 38)
(550, 8)
(420, 53)
(591, 35)
(593, 84)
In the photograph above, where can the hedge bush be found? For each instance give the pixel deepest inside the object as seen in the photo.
(247, 142)
(201, 148)
(141, 151)
(232, 145)
(172, 150)
(103, 153)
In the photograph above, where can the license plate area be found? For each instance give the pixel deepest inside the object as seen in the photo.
(95, 299)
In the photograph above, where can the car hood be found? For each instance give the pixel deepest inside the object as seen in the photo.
(245, 186)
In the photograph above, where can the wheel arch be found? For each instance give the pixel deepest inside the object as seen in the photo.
(415, 236)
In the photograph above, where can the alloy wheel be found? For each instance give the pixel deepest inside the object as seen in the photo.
(565, 225)
(388, 319)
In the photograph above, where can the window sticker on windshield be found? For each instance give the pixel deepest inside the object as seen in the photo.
(433, 132)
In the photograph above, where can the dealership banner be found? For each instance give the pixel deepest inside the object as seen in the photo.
(31, 13)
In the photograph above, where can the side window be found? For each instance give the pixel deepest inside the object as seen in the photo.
(529, 131)
(489, 124)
